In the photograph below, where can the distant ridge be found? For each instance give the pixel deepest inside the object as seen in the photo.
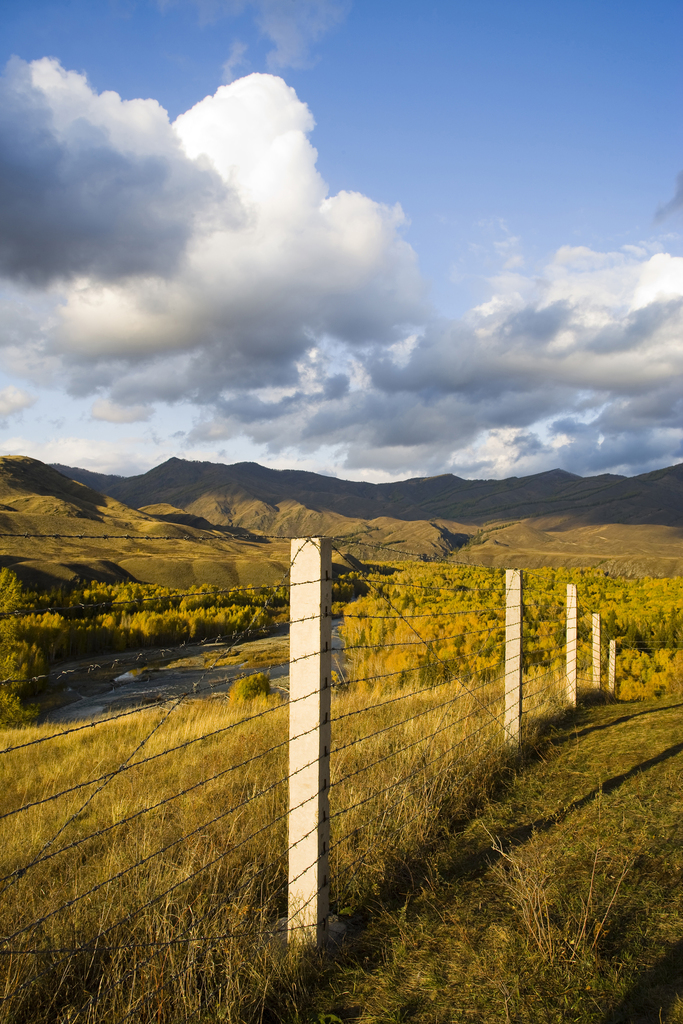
(187, 523)
(252, 496)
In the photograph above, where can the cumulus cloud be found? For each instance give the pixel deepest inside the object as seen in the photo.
(14, 400)
(233, 294)
(585, 370)
(297, 319)
(92, 184)
(580, 366)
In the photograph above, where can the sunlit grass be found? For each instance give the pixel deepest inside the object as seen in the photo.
(207, 861)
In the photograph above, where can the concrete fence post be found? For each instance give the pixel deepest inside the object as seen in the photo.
(310, 674)
(612, 667)
(597, 650)
(572, 633)
(513, 654)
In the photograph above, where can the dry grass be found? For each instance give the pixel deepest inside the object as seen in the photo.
(257, 652)
(531, 874)
(560, 900)
(204, 871)
(221, 898)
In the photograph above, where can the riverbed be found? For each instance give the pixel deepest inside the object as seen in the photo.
(109, 683)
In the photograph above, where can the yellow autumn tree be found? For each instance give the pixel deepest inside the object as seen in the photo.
(14, 663)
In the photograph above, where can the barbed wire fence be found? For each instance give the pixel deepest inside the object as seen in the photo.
(151, 855)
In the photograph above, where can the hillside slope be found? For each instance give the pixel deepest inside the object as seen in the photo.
(55, 530)
(251, 497)
(629, 526)
(209, 511)
(29, 487)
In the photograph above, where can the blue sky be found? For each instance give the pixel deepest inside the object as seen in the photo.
(521, 311)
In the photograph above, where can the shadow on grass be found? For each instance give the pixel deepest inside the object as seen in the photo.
(483, 859)
(588, 696)
(654, 992)
(614, 721)
(618, 780)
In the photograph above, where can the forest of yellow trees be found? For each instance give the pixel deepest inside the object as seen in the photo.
(387, 618)
(38, 629)
(463, 607)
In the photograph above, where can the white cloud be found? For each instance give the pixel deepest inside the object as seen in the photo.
(120, 457)
(294, 27)
(236, 59)
(14, 400)
(296, 321)
(580, 366)
(661, 280)
(231, 292)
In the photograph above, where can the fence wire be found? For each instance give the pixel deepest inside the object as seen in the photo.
(417, 726)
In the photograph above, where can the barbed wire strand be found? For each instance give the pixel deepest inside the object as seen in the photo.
(197, 595)
(393, 700)
(426, 615)
(428, 738)
(86, 946)
(400, 782)
(162, 753)
(105, 781)
(393, 753)
(67, 904)
(381, 813)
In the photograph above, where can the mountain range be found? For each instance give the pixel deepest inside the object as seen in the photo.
(55, 530)
(630, 525)
(195, 522)
(252, 496)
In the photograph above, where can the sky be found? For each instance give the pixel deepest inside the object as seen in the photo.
(372, 239)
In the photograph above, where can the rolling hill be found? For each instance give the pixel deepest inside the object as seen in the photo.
(55, 531)
(185, 523)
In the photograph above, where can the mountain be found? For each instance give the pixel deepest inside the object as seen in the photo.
(285, 503)
(628, 525)
(269, 500)
(185, 523)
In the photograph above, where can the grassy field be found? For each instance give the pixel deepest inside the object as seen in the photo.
(143, 860)
(561, 900)
(156, 883)
(475, 887)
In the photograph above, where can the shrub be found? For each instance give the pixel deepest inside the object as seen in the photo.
(12, 710)
(251, 687)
